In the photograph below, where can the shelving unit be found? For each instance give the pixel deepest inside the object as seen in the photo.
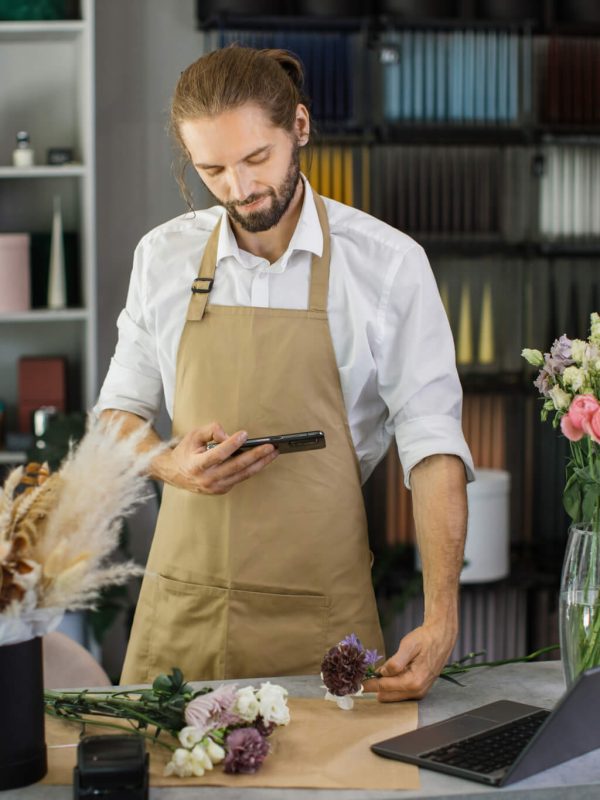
(543, 282)
(51, 95)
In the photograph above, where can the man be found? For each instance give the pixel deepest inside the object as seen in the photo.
(284, 312)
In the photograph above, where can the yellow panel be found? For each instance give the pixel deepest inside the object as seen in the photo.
(348, 176)
(365, 200)
(337, 163)
(325, 171)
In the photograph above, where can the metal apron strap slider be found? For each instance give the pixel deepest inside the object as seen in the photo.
(200, 289)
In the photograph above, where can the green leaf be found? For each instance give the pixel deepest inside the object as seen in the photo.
(162, 684)
(572, 498)
(591, 498)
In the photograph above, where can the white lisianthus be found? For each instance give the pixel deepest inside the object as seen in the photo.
(246, 705)
(595, 328)
(200, 760)
(534, 357)
(574, 378)
(180, 764)
(273, 703)
(560, 398)
(215, 752)
(578, 350)
(189, 736)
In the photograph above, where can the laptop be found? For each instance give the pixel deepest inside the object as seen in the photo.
(504, 742)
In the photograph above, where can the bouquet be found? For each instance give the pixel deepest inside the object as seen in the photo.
(569, 382)
(202, 728)
(57, 530)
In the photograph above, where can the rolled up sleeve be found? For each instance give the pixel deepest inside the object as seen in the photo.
(418, 379)
(133, 382)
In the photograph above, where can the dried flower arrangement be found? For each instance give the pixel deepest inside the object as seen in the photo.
(58, 529)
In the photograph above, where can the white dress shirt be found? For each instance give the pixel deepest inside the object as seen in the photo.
(391, 336)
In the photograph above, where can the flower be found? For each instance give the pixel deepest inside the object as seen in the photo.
(578, 350)
(595, 329)
(189, 736)
(212, 710)
(534, 357)
(574, 378)
(201, 761)
(272, 703)
(560, 353)
(181, 764)
(246, 750)
(560, 398)
(246, 704)
(215, 752)
(343, 669)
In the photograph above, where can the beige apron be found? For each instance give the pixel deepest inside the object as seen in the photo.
(263, 580)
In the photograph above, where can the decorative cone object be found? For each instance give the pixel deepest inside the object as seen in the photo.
(57, 288)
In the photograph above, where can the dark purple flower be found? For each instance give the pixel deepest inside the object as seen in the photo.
(343, 669)
(246, 750)
(265, 729)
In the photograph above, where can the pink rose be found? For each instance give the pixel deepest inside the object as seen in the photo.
(569, 430)
(582, 407)
(592, 426)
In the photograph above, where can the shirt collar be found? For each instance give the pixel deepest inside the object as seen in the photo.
(307, 236)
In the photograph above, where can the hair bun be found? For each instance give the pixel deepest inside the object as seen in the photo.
(291, 64)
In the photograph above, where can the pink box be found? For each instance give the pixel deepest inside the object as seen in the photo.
(14, 272)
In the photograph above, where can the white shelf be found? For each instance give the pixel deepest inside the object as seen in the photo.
(41, 29)
(12, 457)
(46, 315)
(66, 171)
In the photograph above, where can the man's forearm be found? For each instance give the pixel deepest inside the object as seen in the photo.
(440, 510)
(131, 423)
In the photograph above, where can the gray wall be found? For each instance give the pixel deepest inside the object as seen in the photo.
(141, 48)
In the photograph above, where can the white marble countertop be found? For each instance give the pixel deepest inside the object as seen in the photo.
(538, 684)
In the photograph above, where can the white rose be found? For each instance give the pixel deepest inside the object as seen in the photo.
(215, 752)
(246, 704)
(273, 704)
(560, 398)
(574, 377)
(180, 764)
(578, 350)
(189, 736)
(200, 760)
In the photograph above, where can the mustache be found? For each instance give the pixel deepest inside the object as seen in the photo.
(252, 198)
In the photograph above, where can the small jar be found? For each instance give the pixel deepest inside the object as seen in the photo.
(23, 155)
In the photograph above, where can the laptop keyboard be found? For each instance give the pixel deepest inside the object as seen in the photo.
(490, 751)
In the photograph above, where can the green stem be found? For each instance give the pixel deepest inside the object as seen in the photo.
(83, 721)
(459, 666)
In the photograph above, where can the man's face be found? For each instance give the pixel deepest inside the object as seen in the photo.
(250, 166)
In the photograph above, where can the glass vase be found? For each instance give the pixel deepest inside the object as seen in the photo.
(579, 619)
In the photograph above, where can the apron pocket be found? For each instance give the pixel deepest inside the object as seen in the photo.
(189, 629)
(275, 634)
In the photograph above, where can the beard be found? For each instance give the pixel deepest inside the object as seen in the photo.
(265, 219)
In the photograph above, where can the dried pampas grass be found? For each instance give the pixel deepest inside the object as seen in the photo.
(63, 526)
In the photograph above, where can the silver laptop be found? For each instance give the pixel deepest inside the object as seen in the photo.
(504, 742)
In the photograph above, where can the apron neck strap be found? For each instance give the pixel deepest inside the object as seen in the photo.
(319, 278)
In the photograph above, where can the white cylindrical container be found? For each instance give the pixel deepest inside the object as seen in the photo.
(14, 272)
(487, 550)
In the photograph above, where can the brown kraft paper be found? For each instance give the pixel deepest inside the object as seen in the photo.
(323, 747)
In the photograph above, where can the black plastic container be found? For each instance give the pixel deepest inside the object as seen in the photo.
(22, 740)
(420, 9)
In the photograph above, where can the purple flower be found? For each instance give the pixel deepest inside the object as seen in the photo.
(264, 728)
(543, 383)
(371, 657)
(353, 640)
(212, 710)
(561, 349)
(246, 750)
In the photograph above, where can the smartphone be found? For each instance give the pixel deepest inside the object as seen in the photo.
(285, 442)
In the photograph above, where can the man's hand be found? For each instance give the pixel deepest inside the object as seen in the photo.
(411, 671)
(190, 465)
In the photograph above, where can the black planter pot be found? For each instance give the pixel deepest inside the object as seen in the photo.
(22, 742)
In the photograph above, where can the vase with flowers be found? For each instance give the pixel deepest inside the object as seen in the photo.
(569, 382)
